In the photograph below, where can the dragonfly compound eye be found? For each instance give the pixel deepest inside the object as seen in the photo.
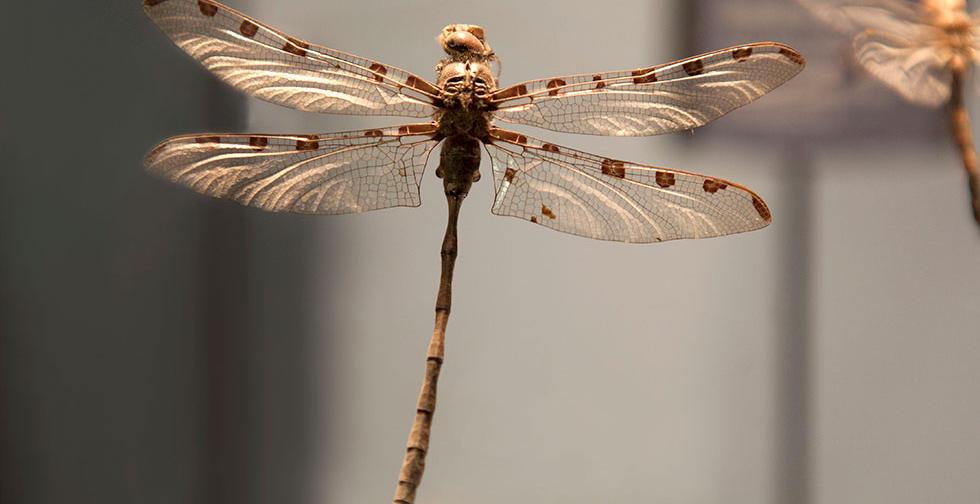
(463, 41)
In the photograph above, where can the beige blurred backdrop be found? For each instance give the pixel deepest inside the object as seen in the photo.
(588, 372)
(158, 346)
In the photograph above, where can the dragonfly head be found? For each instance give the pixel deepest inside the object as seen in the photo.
(464, 40)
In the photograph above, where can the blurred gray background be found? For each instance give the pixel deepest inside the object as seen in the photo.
(158, 346)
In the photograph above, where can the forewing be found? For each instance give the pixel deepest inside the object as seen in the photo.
(337, 173)
(850, 17)
(918, 73)
(674, 97)
(587, 195)
(285, 70)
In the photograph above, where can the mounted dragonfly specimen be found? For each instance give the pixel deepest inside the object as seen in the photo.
(536, 181)
(922, 51)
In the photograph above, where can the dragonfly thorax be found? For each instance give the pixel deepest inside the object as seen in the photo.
(950, 15)
(465, 85)
(956, 42)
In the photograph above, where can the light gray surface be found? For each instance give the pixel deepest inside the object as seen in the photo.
(582, 372)
(576, 371)
(897, 394)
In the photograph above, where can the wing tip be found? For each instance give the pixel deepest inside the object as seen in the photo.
(793, 55)
(786, 50)
(762, 209)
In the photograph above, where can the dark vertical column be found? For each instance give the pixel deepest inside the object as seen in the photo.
(154, 344)
(793, 218)
(100, 287)
(225, 345)
(258, 418)
(794, 305)
(258, 391)
(285, 425)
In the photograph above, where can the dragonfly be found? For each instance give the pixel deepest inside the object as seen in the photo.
(922, 51)
(534, 180)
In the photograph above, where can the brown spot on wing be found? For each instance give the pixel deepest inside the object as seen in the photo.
(296, 46)
(644, 76)
(694, 67)
(208, 139)
(509, 174)
(599, 83)
(793, 56)
(421, 85)
(258, 142)
(510, 92)
(248, 28)
(417, 129)
(550, 148)
(760, 206)
(373, 133)
(379, 71)
(712, 186)
(547, 212)
(509, 136)
(613, 168)
(534, 219)
(553, 85)
(742, 53)
(152, 3)
(310, 142)
(207, 8)
(665, 179)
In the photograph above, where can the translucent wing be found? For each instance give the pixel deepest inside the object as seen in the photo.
(285, 70)
(916, 72)
(673, 97)
(586, 195)
(895, 43)
(850, 17)
(336, 173)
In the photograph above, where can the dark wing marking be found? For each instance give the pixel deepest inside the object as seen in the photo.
(674, 97)
(337, 173)
(587, 195)
(285, 70)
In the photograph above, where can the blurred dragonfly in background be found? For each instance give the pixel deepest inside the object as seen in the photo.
(537, 181)
(923, 51)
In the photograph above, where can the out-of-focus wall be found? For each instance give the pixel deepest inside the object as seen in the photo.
(896, 386)
(156, 346)
(586, 372)
(102, 269)
(576, 371)
(152, 341)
